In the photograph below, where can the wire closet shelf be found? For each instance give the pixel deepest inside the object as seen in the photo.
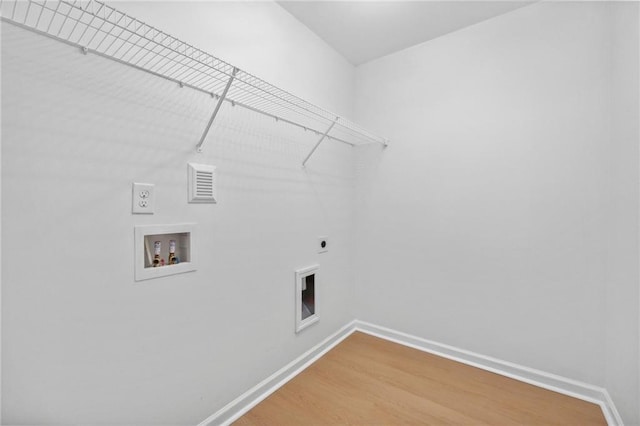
(97, 28)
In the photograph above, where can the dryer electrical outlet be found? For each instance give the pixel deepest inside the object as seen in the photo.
(143, 198)
(323, 244)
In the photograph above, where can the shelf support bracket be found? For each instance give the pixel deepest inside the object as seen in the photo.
(215, 111)
(324, 135)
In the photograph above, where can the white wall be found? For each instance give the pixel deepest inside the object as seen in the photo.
(503, 217)
(261, 38)
(83, 343)
(622, 292)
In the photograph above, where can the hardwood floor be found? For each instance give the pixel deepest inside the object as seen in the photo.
(369, 381)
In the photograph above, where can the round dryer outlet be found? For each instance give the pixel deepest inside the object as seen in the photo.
(323, 244)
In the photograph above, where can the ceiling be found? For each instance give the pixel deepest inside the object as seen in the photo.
(365, 30)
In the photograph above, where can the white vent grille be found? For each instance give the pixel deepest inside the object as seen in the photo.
(202, 183)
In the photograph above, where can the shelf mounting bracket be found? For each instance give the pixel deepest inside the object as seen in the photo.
(324, 135)
(215, 111)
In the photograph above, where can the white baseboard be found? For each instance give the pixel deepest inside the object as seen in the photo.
(245, 402)
(239, 406)
(563, 385)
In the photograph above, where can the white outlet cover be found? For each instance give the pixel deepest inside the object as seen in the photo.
(143, 198)
(323, 248)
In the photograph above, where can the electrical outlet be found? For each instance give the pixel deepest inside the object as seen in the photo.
(143, 198)
(323, 244)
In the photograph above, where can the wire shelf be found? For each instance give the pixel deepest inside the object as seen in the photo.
(98, 28)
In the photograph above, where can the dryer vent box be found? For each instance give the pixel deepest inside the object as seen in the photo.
(306, 297)
(202, 183)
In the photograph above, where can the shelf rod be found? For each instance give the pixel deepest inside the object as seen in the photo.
(320, 141)
(215, 111)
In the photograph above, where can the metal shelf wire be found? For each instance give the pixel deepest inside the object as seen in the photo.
(100, 29)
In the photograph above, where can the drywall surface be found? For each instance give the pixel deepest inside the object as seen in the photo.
(262, 38)
(83, 343)
(0, 239)
(487, 223)
(623, 354)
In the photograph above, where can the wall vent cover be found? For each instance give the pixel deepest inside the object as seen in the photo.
(202, 183)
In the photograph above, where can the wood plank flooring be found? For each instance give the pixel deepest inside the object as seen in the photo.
(369, 381)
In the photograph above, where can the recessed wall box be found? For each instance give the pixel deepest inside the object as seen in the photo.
(306, 297)
(162, 250)
(202, 183)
